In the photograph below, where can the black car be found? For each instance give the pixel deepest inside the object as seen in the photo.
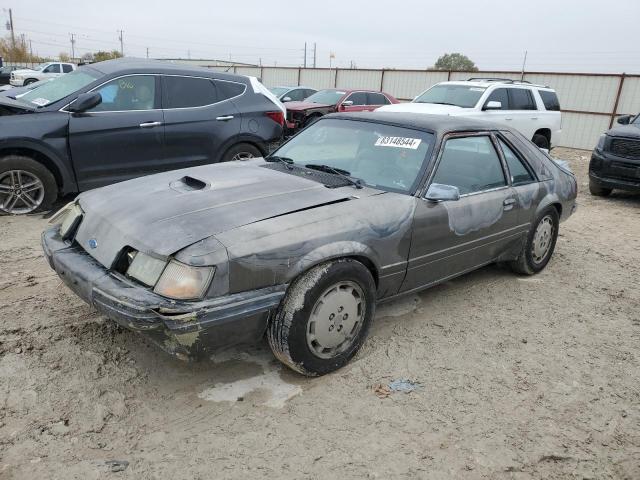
(5, 74)
(125, 118)
(615, 162)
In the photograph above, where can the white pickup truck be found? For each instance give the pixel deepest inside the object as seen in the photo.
(533, 110)
(21, 78)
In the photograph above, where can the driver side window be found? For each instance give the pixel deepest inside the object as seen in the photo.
(471, 164)
(137, 92)
(53, 68)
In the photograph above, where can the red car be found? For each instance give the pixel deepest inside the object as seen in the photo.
(301, 114)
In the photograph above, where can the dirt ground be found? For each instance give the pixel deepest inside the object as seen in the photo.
(520, 378)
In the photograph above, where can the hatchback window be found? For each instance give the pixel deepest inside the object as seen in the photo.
(137, 92)
(227, 90)
(550, 100)
(188, 92)
(519, 173)
(53, 68)
(377, 99)
(358, 98)
(471, 164)
(499, 95)
(522, 99)
(67, 68)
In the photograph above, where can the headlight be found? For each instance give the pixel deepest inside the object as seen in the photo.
(184, 282)
(600, 145)
(146, 269)
(68, 217)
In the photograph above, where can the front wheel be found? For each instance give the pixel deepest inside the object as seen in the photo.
(540, 244)
(241, 151)
(324, 318)
(29, 81)
(598, 191)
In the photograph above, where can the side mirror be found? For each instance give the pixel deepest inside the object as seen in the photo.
(85, 101)
(493, 105)
(347, 103)
(286, 99)
(438, 192)
(624, 120)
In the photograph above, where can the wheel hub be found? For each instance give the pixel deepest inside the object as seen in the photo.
(335, 319)
(542, 239)
(20, 192)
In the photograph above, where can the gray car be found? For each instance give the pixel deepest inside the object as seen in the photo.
(356, 209)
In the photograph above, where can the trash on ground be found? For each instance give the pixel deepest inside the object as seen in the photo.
(400, 385)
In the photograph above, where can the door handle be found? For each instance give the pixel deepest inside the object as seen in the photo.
(150, 124)
(508, 118)
(225, 118)
(509, 203)
(534, 118)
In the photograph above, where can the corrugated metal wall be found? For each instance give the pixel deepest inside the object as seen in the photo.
(588, 100)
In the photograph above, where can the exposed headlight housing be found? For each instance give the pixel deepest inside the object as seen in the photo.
(184, 282)
(68, 217)
(145, 268)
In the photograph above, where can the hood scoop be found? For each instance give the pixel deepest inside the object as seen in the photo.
(189, 184)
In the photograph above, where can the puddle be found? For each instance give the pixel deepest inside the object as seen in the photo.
(398, 308)
(267, 388)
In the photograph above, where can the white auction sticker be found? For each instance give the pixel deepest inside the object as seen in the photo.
(41, 102)
(398, 142)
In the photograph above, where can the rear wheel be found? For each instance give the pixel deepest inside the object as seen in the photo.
(541, 141)
(599, 191)
(241, 151)
(540, 244)
(26, 186)
(324, 318)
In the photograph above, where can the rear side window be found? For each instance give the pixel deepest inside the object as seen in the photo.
(499, 95)
(228, 90)
(471, 164)
(67, 68)
(521, 99)
(519, 173)
(550, 100)
(188, 92)
(377, 99)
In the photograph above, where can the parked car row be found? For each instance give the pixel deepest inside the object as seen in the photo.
(25, 76)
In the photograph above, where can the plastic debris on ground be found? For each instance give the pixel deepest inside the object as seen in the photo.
(399, 385)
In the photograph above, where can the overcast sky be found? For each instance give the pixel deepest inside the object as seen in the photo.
(560, 35)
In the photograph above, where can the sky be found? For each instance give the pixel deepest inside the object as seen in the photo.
(560, 35)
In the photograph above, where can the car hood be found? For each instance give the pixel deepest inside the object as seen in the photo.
(298, 106)
(9, 106)
(431, 108)
(629, 131)
(25, 71)
(164, 213)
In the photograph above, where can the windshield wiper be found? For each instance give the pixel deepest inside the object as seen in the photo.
(356, 182)
(444, 103)
(287, 162)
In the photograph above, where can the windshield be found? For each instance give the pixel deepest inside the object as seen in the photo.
(40, 66)
(382, 156)
(326, 97)
(464, 96)
(60, 87)
(277, 91)
(637, 119)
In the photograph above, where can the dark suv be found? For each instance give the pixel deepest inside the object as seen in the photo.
(125, 118)
(615, 162)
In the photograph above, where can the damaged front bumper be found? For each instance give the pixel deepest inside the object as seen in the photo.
(182, 328)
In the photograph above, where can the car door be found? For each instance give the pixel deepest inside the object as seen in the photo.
(199, 117)
(355, 102)
(453, 237)
(523, 111)
(501, 115)
(376, 100)
(122, 137)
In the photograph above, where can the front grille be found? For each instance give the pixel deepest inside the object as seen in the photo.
(625, 148)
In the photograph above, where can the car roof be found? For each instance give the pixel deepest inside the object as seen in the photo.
(438, 124)
(486, 83)
(142, 65)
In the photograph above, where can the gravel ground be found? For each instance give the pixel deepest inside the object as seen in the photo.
(519, 378)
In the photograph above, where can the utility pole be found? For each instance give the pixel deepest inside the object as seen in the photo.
(73, 46)
(524, 62)
(189, 54)
(147, 52)
(121, 42)
(13, 35)
(315, 51)
(305, 54)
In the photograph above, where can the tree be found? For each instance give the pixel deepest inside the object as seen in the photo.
(64, 57)
(455, 62)
(102, 55)
(17, 52)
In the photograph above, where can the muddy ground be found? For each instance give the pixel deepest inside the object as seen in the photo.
(521, 378)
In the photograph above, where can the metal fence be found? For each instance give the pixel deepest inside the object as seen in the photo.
(590, 101)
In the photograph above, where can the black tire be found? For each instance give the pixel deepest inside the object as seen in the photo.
(34, 169)
(599, 191)
(29, 81)
(241, 151)
(287, 332)
(541, 141)
(312, 119)
(526, 264)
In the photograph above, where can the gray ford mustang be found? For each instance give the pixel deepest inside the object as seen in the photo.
(354, 210)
